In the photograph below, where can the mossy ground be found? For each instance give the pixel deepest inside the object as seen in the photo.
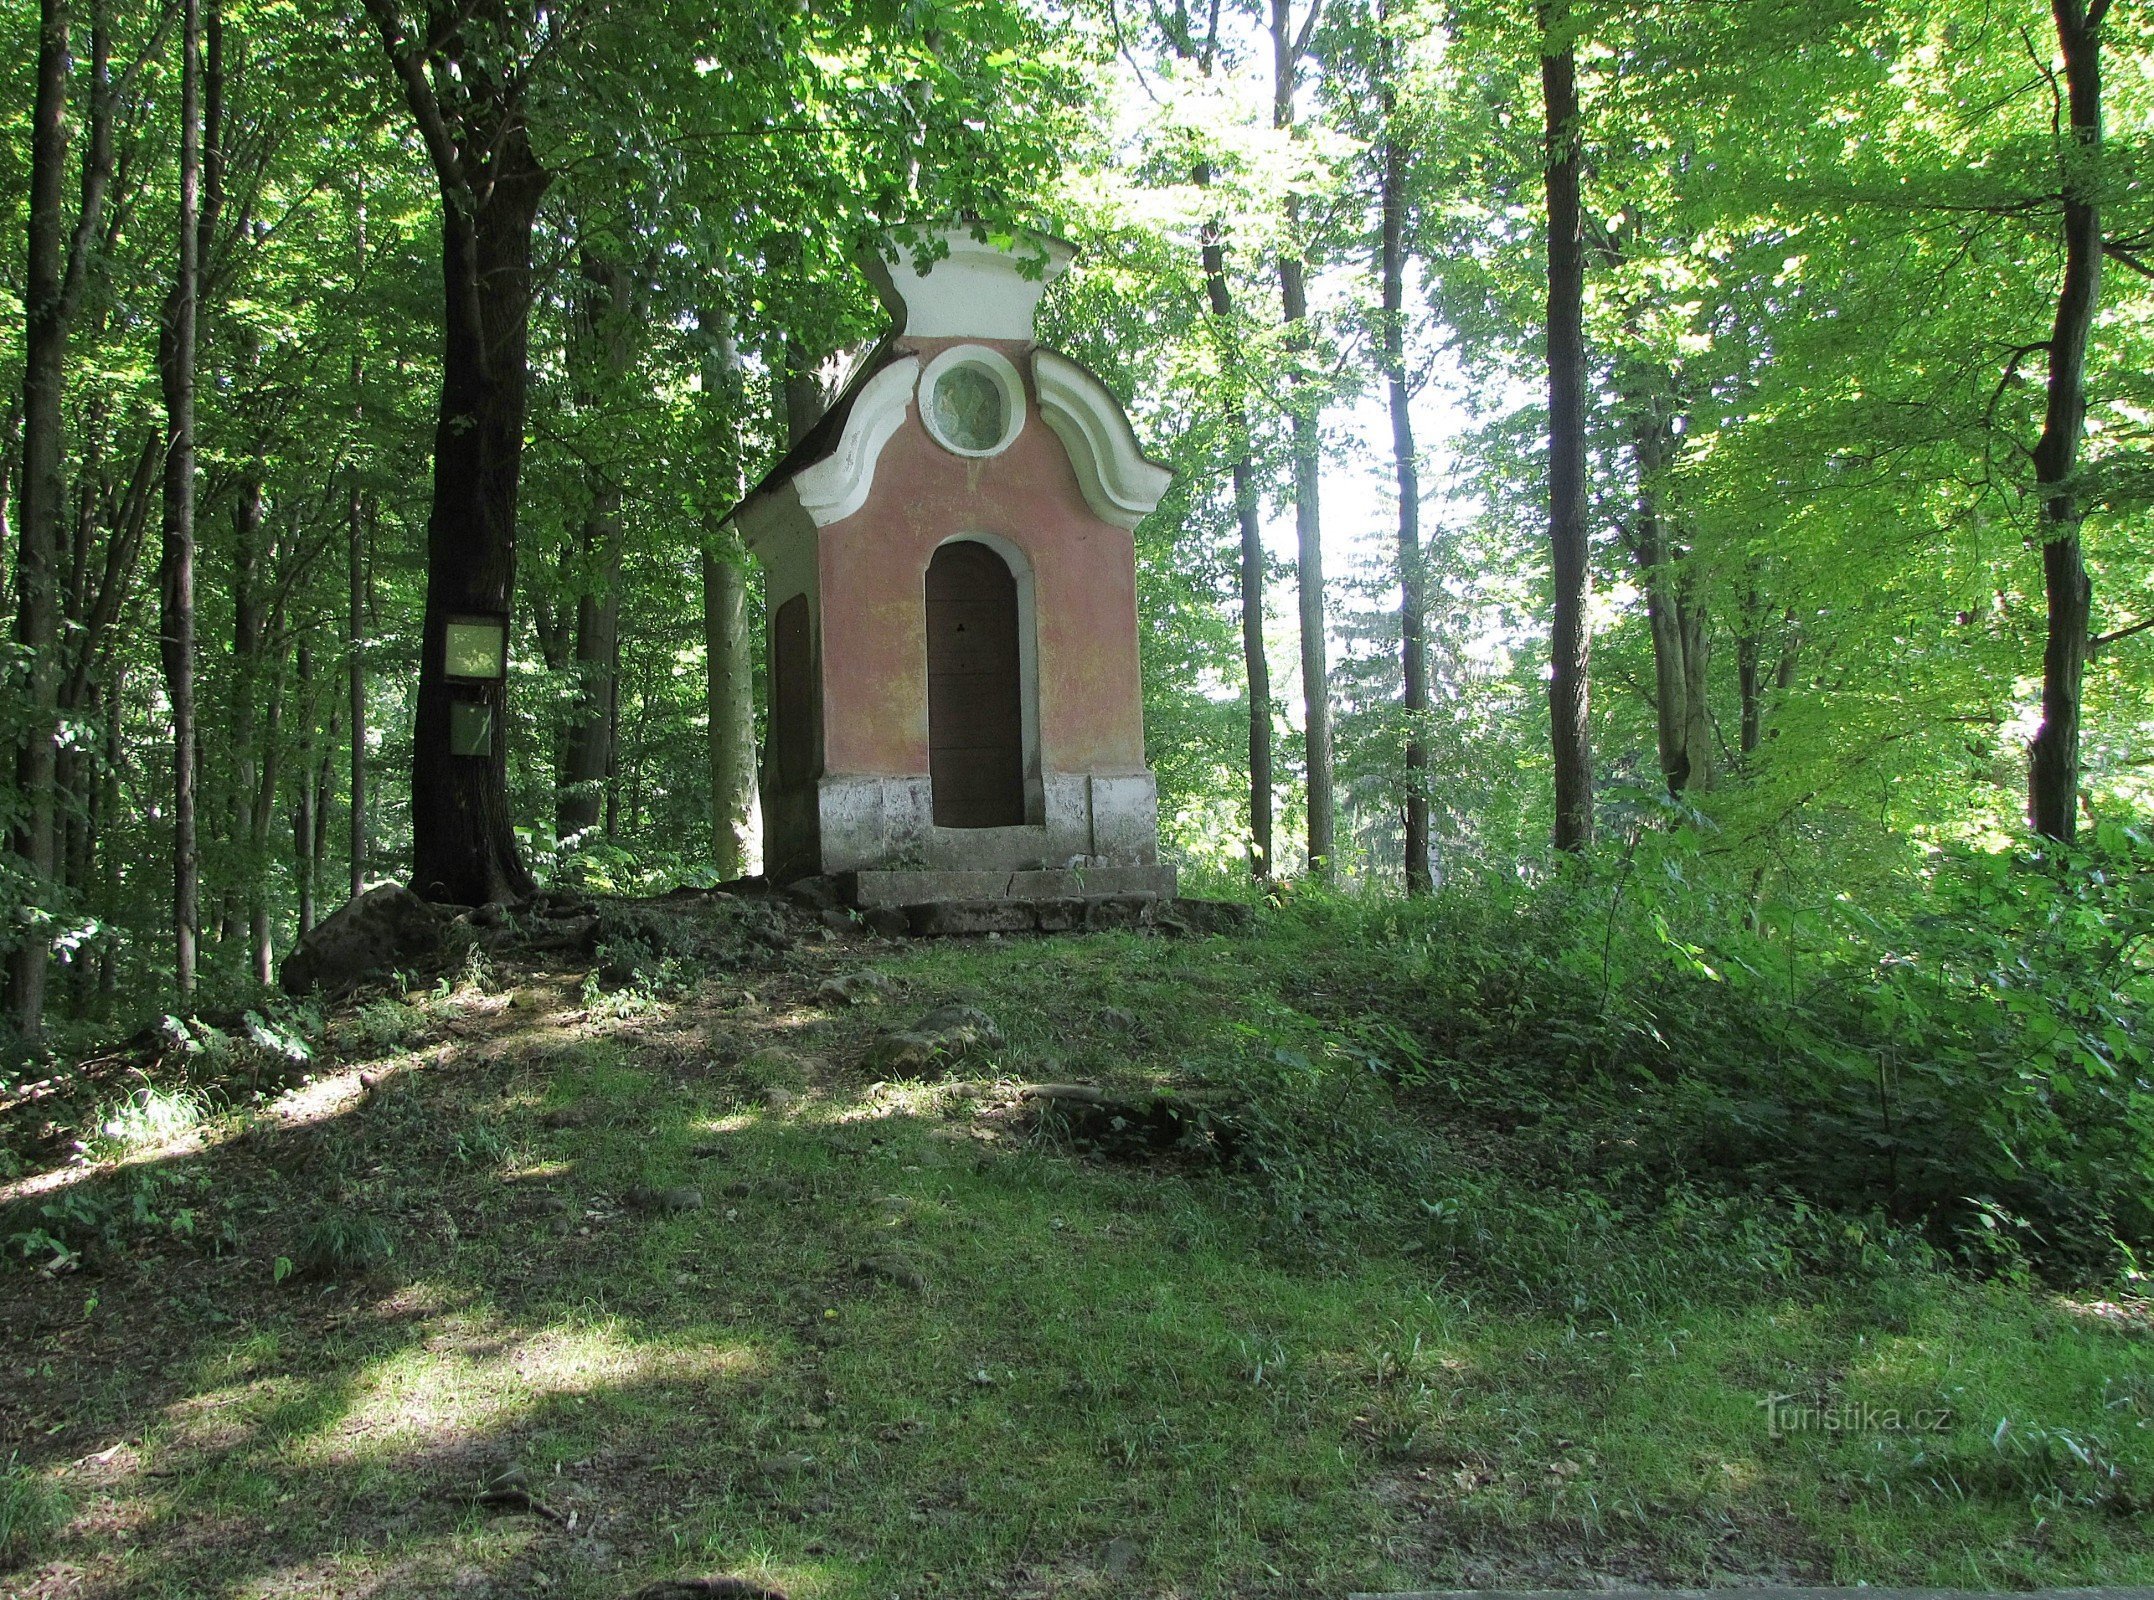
(909, 1346)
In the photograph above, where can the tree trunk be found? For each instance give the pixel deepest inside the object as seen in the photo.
(605, 317)
(46, 313)
(1256, 661)
(1663, 580)
(1570, 732)
(304, 822)
(356, 607)
(242, 893)
(613, 742)
(729, 668)
(2053, 768)
(1413, 604)
(355, 686)
(736, 830)
(464, 845)
(1308, 471)
(108, 789)
(323, 778)
(1749, 688)
(1697, 636)
(463, 837)
(176, 369)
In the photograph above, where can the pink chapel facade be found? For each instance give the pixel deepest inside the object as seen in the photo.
(951, 591)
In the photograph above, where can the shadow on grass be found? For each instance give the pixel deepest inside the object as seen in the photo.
(889, 1346)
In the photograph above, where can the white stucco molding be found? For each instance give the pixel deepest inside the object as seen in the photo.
(1119, 483)
(975, 292)
(835, 487)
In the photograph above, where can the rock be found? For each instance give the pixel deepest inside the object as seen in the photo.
(945, 1035)
(683, 1197)
(813, 894)
(961, 1029)
(895, 1270)
(903, 1054)
(386, 927)
(849, 989)
(1123, 911)
(771, 1068)
(944, 917)
(1061, 916)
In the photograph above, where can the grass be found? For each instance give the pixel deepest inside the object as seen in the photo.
(906, 1346)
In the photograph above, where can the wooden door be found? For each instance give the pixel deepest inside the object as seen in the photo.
(792, 695)
(976, 736)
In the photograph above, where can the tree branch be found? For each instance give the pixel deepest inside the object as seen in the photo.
(2101, 639)
(2117, 252)
(424, 104)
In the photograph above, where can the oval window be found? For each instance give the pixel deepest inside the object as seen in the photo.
(967, 408)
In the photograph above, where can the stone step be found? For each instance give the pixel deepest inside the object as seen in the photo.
(916, 888)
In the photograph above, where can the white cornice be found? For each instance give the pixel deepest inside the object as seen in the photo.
(1119, 483)
(835, 487)
(976, 291)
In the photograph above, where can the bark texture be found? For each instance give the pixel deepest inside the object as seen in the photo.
(2053, 765)
(176, 631)
(1288, 46)
(1569, 729)
(1413, 600)
(466, 96)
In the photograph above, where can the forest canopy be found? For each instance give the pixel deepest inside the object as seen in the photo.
(1723, 426)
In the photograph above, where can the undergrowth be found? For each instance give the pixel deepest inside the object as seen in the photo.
(1975, 1068)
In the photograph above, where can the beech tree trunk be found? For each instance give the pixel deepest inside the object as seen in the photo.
(176, 632)
(1676, 615)
(356, 612)
(47, 308)
(729, 667)
(305, 825)
(1256, 662)
(605, 317)
(355, 681)
(2053, 767)
(1569, 730)
(1413, 604)
(1287, 48)
(463, 837)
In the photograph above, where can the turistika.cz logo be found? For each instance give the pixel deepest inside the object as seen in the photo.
(1786, 1414)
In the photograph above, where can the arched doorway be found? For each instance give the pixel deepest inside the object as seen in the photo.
(975, 710)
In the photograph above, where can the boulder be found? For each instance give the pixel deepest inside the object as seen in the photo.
(945, 1035)
(386, 927)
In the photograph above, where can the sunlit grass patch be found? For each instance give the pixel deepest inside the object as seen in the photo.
(475, 1378)
(147, 1119)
